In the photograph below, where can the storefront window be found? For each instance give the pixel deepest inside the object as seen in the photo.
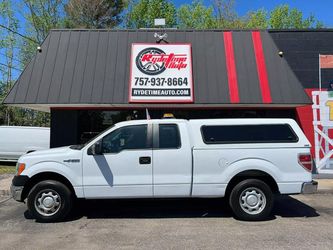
(92, 122)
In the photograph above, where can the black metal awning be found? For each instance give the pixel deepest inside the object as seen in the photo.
(90, 68)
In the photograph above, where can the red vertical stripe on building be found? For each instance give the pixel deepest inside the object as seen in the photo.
(261, 67)
(231, 67)
(305, 120)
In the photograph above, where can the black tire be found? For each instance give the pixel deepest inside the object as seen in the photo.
(49, 192)
(251, 200)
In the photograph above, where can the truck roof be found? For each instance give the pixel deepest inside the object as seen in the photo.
(131, 122)
(243, 121)
(217, 121)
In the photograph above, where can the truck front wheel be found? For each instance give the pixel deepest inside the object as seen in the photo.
(49, 201)
(251, 199)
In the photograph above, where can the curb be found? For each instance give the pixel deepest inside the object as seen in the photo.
(324, 191)
(5, 200)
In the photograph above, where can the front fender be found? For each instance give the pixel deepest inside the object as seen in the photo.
(252, 164)
(74, 175)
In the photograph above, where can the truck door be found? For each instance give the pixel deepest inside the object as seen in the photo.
(124, 169)
(172, 160)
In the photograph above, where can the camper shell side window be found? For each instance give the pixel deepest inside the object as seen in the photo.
(249, 133)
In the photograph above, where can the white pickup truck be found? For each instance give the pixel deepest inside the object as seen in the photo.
(245, 160)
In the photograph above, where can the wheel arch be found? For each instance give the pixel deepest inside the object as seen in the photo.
(252, 174)
(45, 176)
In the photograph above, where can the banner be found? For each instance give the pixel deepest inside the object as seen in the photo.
(326, 61)
(326, 108)
(161, 73)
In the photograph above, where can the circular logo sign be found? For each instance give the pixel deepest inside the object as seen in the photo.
(150, 62)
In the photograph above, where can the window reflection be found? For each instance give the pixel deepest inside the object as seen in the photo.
(92, 122)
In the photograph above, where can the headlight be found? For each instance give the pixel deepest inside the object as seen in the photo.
(19, 168)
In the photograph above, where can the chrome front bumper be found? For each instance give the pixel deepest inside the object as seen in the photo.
(16, 192)
(309, 187)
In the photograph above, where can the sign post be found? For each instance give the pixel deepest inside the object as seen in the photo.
(319, 73)
(161, 73)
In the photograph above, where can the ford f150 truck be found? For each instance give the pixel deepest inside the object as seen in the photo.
(246, 160)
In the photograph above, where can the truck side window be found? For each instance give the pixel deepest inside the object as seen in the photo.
(169, 136)
(129, 137)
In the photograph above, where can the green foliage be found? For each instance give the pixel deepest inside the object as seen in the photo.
(196, 16)
(20, 116)
(27, 51)
(8, 41)
(283, 17)
(142, 13)
(42, 16)
(7, 44)
(93, 13)
(257, 19)
(7, 168)
(226, 15)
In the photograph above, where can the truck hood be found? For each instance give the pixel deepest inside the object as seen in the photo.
(60, 155)
(60, 150)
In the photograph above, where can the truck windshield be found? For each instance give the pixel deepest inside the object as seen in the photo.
(81, 146)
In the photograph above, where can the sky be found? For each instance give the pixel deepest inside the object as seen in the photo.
(321, 9)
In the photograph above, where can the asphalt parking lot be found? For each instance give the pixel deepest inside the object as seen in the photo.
(298, 222)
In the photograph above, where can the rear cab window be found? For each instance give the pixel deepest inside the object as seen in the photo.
(252, 133)
(168, 136)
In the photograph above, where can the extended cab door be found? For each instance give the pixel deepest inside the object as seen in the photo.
(124, 167)
(172, 160)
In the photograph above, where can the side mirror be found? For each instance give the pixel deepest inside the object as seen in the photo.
(96, 149)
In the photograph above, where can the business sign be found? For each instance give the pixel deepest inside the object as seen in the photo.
(326, 108)
(161, 73)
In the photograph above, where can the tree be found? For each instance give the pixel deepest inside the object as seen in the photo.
(40, 16)
(8, 43)
(282, 17)
(257, 19)
(93, 13)
(8, 40)
(142, 13)
(226, 15)
(44, 15)
(196, 16)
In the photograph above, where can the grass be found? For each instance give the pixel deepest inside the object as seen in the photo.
(7, 168)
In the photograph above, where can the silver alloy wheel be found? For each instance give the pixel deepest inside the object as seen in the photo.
(252, 200)
(47, 202)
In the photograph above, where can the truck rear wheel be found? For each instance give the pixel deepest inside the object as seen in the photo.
(251, 200)
(50, 201)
